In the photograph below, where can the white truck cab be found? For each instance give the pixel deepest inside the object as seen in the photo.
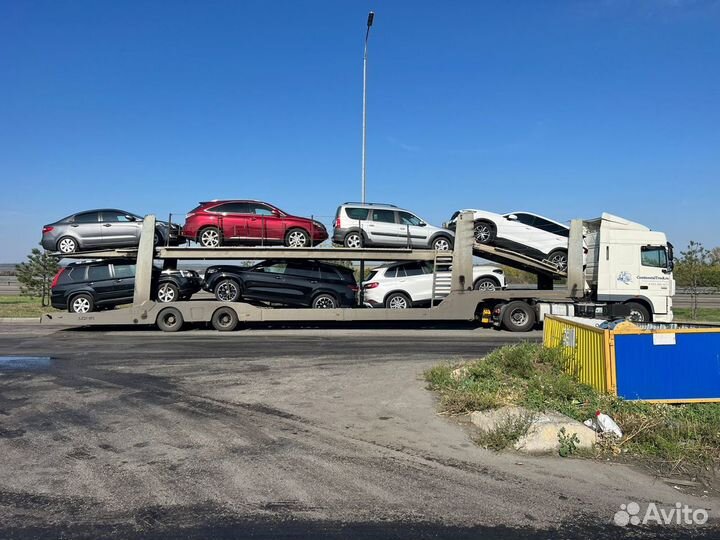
(629, 263)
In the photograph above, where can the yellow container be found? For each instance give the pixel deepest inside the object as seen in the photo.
(586, 348)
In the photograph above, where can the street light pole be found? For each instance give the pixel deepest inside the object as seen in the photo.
(371, 17)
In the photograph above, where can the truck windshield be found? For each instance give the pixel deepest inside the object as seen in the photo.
(655, 256)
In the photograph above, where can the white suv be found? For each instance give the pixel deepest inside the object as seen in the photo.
(530, 234)
(384, 225)
(403, 285)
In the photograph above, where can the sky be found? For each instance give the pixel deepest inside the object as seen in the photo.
(564, 108)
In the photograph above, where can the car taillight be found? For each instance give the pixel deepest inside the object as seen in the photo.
(371, 285)
(336, 223)
(47, 229)
(56, 278)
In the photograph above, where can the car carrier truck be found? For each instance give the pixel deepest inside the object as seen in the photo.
(627, 271)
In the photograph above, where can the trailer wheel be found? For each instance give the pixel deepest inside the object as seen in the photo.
(224, 319)
(170, 320)
(638, 312)
(518, 316)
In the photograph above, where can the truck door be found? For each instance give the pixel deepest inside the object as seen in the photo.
(654, 276)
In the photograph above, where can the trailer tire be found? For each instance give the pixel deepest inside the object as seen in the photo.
(224, 319)
(484, 232)
(170, 320)
(518, 316)
(638, 312)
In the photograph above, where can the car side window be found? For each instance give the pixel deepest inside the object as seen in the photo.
(116, 217)
(406, 218)
(260, 210)
(383, 216)
(87, 217)
(274, 268)
(98, 273)
(413, 269)
(357, 213)
(231, 208)
(124, 270)
(304, 271)
(526, 219)
(654, 256)
(549, 226)
(427, 267)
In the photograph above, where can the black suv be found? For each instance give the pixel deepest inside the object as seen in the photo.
(287, 282)
(88, 286)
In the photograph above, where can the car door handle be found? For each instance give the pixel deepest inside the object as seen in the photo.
(74, 225)
(118, 281)
(314, 281)
(370, 225)
(278, 277)
(107, 225)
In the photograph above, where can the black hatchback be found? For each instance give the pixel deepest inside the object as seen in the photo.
(88, 286)
(298, 283)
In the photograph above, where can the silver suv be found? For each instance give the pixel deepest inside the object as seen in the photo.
(385, 225)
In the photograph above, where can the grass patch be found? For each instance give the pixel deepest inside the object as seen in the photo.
(22, 306)
(703, 314)
(505, 434)
(671, 437)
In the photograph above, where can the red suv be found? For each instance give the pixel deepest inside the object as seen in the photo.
(215, 223)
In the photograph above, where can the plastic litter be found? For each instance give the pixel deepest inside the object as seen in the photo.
(602, 423)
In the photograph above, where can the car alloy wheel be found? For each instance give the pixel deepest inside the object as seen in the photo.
(324, 301)
(441, 244)
(210, 238)
(227, 291)
(397, 301)
(81, 304)
(559, 260)
(483, 233)
(353, 241)
(485, 285)
(297, 239)
(167, 293)
(67, 245)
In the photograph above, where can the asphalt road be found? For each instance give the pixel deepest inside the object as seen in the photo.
(272, 433)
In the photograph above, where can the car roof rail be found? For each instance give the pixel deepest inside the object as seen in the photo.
(371, 204)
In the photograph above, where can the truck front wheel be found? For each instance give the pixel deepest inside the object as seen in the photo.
(518, 316)
(638, 312)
